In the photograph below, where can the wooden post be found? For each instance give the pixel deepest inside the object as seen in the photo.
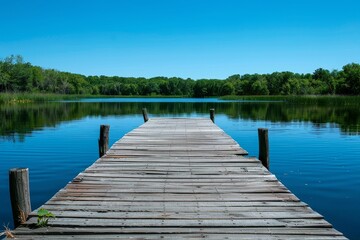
(145, 114)
(264, 147)
(104, 139)
(212, 115)
(19, 194)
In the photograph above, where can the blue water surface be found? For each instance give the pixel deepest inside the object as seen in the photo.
(318, 163)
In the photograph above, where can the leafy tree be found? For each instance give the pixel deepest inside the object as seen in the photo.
(297, 86)
(4, 78)
(200, 88)
(351, 76)
(325, 77)
(164, 87)
(234, 78)
(259, 87)
(227, 89)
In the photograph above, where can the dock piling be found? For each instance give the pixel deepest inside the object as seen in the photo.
(264, 146)
(19, 194)
(103, 139)
(212, 114)
(145, 114)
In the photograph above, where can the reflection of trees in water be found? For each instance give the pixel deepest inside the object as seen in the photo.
(18, 120)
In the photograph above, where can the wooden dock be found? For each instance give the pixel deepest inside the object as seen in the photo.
(177, 179)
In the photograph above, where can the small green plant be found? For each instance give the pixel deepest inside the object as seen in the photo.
(43, 217)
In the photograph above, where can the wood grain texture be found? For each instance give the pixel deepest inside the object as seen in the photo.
(19, 194)
(103, 139)
(177, 178)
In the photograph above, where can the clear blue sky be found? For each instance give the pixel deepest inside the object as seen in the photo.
(185, 38)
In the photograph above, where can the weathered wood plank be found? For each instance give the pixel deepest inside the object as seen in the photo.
(183, 215)
(214, 204)
(169, 230)
(172, 209)
(103, 222)
(176, 236)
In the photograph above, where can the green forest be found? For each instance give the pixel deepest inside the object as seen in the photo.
(18, 76)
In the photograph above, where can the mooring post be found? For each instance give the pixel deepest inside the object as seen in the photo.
(212, 114)
(145, 114)
(264, 146)
(103, 139)
(19, 194)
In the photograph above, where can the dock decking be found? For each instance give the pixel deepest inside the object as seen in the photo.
(178, 179)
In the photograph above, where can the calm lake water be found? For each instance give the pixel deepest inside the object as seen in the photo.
(314, 150)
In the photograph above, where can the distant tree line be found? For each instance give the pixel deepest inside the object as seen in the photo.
(19, 76)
